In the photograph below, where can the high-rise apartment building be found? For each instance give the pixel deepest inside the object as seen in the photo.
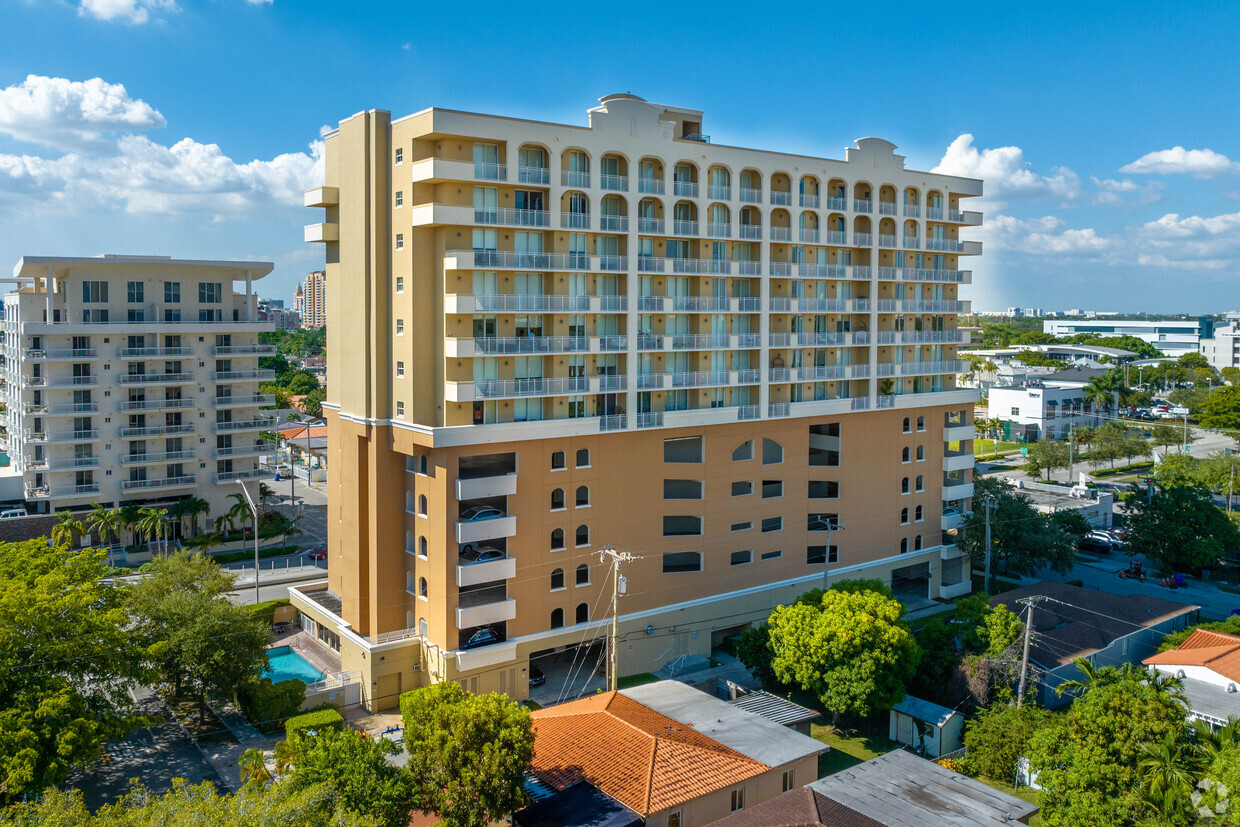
(312, 294)
(271, 311)
(133, 379)
(736, 364)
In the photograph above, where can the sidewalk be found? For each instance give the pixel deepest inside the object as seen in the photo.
(269, 577)
(224, 758)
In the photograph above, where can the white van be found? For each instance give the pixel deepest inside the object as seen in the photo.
(10, 513)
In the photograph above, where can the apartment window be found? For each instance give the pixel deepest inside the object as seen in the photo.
(917, 543)
(400, 370)
(172, 292)
(400, 245)
(738, 799)
(136, 316)
(557, 461)
(682, 489)
(742, 488)
(557, 619)
(583, 613)
(683, 449)
(400, 282)
(919, 514)
(422, 590)
(582, 536)
(678, 562)
(904, 486)
(400, 199)
(904, 545)
(1015, 411)
(583, 496)
(772, 524)
(400, 327)
(94, 291)
(210, 292)
(557, 499)
(740, 558)
(921, 453)
(903, 516)
(743, 451)
(921, 483)
(745, 526)
(399, 155)
(824, 490)
(772, 555)
(422, 504)
(772, 488)
(583, 457)
(583, 575)
(906, 455)
(814, 554)
(557, 579)
(772, 452)
(557, 539)
(681, 526)
(907, 426)
(400, 410)
(422, 547)
(134, 291)
(788, 780)
(422, 465)
(172, 315)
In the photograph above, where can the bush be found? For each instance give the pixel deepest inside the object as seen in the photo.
(146, 567)
(998, 736)
(267, 609)
(266, 703)
(321, 719)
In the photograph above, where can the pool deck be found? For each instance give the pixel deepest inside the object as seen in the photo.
(318, 655)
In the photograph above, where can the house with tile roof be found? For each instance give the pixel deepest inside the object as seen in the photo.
(1208, 664)
(693, 762)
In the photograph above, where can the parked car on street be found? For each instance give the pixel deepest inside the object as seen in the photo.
(319, 553)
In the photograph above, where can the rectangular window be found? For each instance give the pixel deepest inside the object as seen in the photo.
(740, 558)
(772, 488)
(772, 555)
(172, 292)
(683, 449)
(682, 489)
(171, 315)
(210, 293)
(400, 199)
(400, 410)
(745, 526)
(681, 561)
(400, 155)
(400, 327)
(1015, 411)
(400, 284)
(400, 241)
(673, 819)
(400, 370)
(742, 488)
(823, 490)
(94, 291)
(788, 780)
(772, 524)
(135, 291)
(814, 554)
(210, 315)
(738, 799)
(681, 526)
(136, 316)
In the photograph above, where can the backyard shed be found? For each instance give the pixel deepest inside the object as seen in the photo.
(924, 725)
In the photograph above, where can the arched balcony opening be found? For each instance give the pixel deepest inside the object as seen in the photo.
(650, 216)
(533, 165)
(613, 172)
(912, 202)
(575, 168)
(750, 184)
(837, 194)
(720, 221)
(720, 183)
(887, 200)
(685, 218)
(575, 210)
(781, 225)
(650, 175)
(613, 214)
(781, 190)
(809, 190)
(837, 229)
(751, 223)
(685, 180)
(809, 227)
(862, 232)
(887, 233)
(863, 197)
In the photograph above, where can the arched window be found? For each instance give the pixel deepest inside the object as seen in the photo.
(906, 425)
(557, 579)
(919, 513)
(904, 454)
(743, 451)
(921, 423)
(422, 504)
(921, 453)
(557, 539)
(904, 545)
(583, 535)
(904, 486)
(422, 627)
(583, 575)
(557, 619)
(917, 543)
(903, 516)
(422, 464)
(583, 612)
(921, 483)
(557, 460)
(772, 452)
(557, 499)
(422, 546)
(583, 457)
(583, 495)
(421, 587)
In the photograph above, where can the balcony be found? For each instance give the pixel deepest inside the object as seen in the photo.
(912, 211)
(837, 203)
(861, 205)
(719, 193)
(781, 199)
(159, 430)
(168, 482)
(484, 614)
(483, 530)
(60, 437)
(252, 400)
(685, 189)
(923, 274)
(684, 228)
(513, 218)
(701, 265)
(950, 522)
(612, 422)
(944, 245)
(156, 352)
(615, 183)
(649, 341)
(887, 241)
(491, 345)
(957, 460)
(539, 176)
(700, 378)
(698, 341)
(243, 375)
(886, 208)
(517, 303)
(809, 236)
(956, 490)
(613, 223)
(61, 492)
(781, 233)
(719, 230)
(650, 419)
(836, 238)
(478, 488)
(321, 233)
(235, 350)
(652, 186)
(811, 202)
(750, 231)
(750, 196)
(700, 304)
(59, 381)
(515, 388)
(920, 306)
(934, 213)
(475, 574)
(490, 172)
(322, 197)
(255, 450)
(151, 459)
(959, 433)
(72, 409)
(931, 368)
(575, 178)
(54, 354)
(259, 424)
(158, 378)
(650, 226)
(231, 477)
(912, 242)
(67, 463)
(863, 240)
(575, 220)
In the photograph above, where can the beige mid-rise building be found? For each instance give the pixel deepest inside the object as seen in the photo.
(311, 300)
(549, 338)
(134, 380)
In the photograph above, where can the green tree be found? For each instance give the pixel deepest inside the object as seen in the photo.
(851, 650)
(1024, 540)
(130, 515)
(1178, 469)
(468, 753)
(313, 403)
(302, 382)
(357, 770)
(105, 523)
(67, 527)
(1164, 436)
(1180, 528)
(1192, 398)
(154, 523)
(754, 651)
(1231, 375)
(935, 677)
(997, 737)
(1222, 409)
(1046, 456)
(67, 660)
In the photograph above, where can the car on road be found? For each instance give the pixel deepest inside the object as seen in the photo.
(11, 513)
(478, 513)
(1105, 538)
(319, 553)
(482, 554)
(483, 637)
(537, 678)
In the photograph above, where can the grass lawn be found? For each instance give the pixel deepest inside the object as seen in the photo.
(847, 749)
(994, 446)
(629, 681)
(1023, 793)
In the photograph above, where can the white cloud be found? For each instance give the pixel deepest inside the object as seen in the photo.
(1048, 234)
(1126, 192)
(1200, 163)
(72, 115)
(1006, 173)
(133, 11)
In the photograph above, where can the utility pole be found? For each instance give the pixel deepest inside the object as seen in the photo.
(618, 587)
(1024, 659)
(826, 560)
(1186, 433)
(987, 505)
(1071, 449)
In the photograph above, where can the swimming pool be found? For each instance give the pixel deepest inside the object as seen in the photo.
(286, 664)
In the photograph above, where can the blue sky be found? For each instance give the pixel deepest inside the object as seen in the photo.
(1106, 132)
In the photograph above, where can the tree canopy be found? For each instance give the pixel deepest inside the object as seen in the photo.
(1024, 539)
(356, 770)
(1180, 528)
(1222, 409)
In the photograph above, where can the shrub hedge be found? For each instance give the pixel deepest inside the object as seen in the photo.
(318, 720)
(266, 703)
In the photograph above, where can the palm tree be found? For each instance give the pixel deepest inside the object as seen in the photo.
(225, 521)
(63, 532)
(129, 516)
(105, 522)
(194, 508)
(1095, 677)
(240, 511)
(1169, 684)
(1167, 772)
(1210, 742)
(155, 523)
(264, 491)
(179, 511)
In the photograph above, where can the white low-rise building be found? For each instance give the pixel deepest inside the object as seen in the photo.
(1208, 666)
(1173, 337)
(1222, 350)
(1046, 407)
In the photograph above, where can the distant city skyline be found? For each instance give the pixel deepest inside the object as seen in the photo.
(190, 128)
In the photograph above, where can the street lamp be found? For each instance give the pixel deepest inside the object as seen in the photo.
(254, 511)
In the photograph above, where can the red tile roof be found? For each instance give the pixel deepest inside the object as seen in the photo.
(1213, 650)
(645, 760)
